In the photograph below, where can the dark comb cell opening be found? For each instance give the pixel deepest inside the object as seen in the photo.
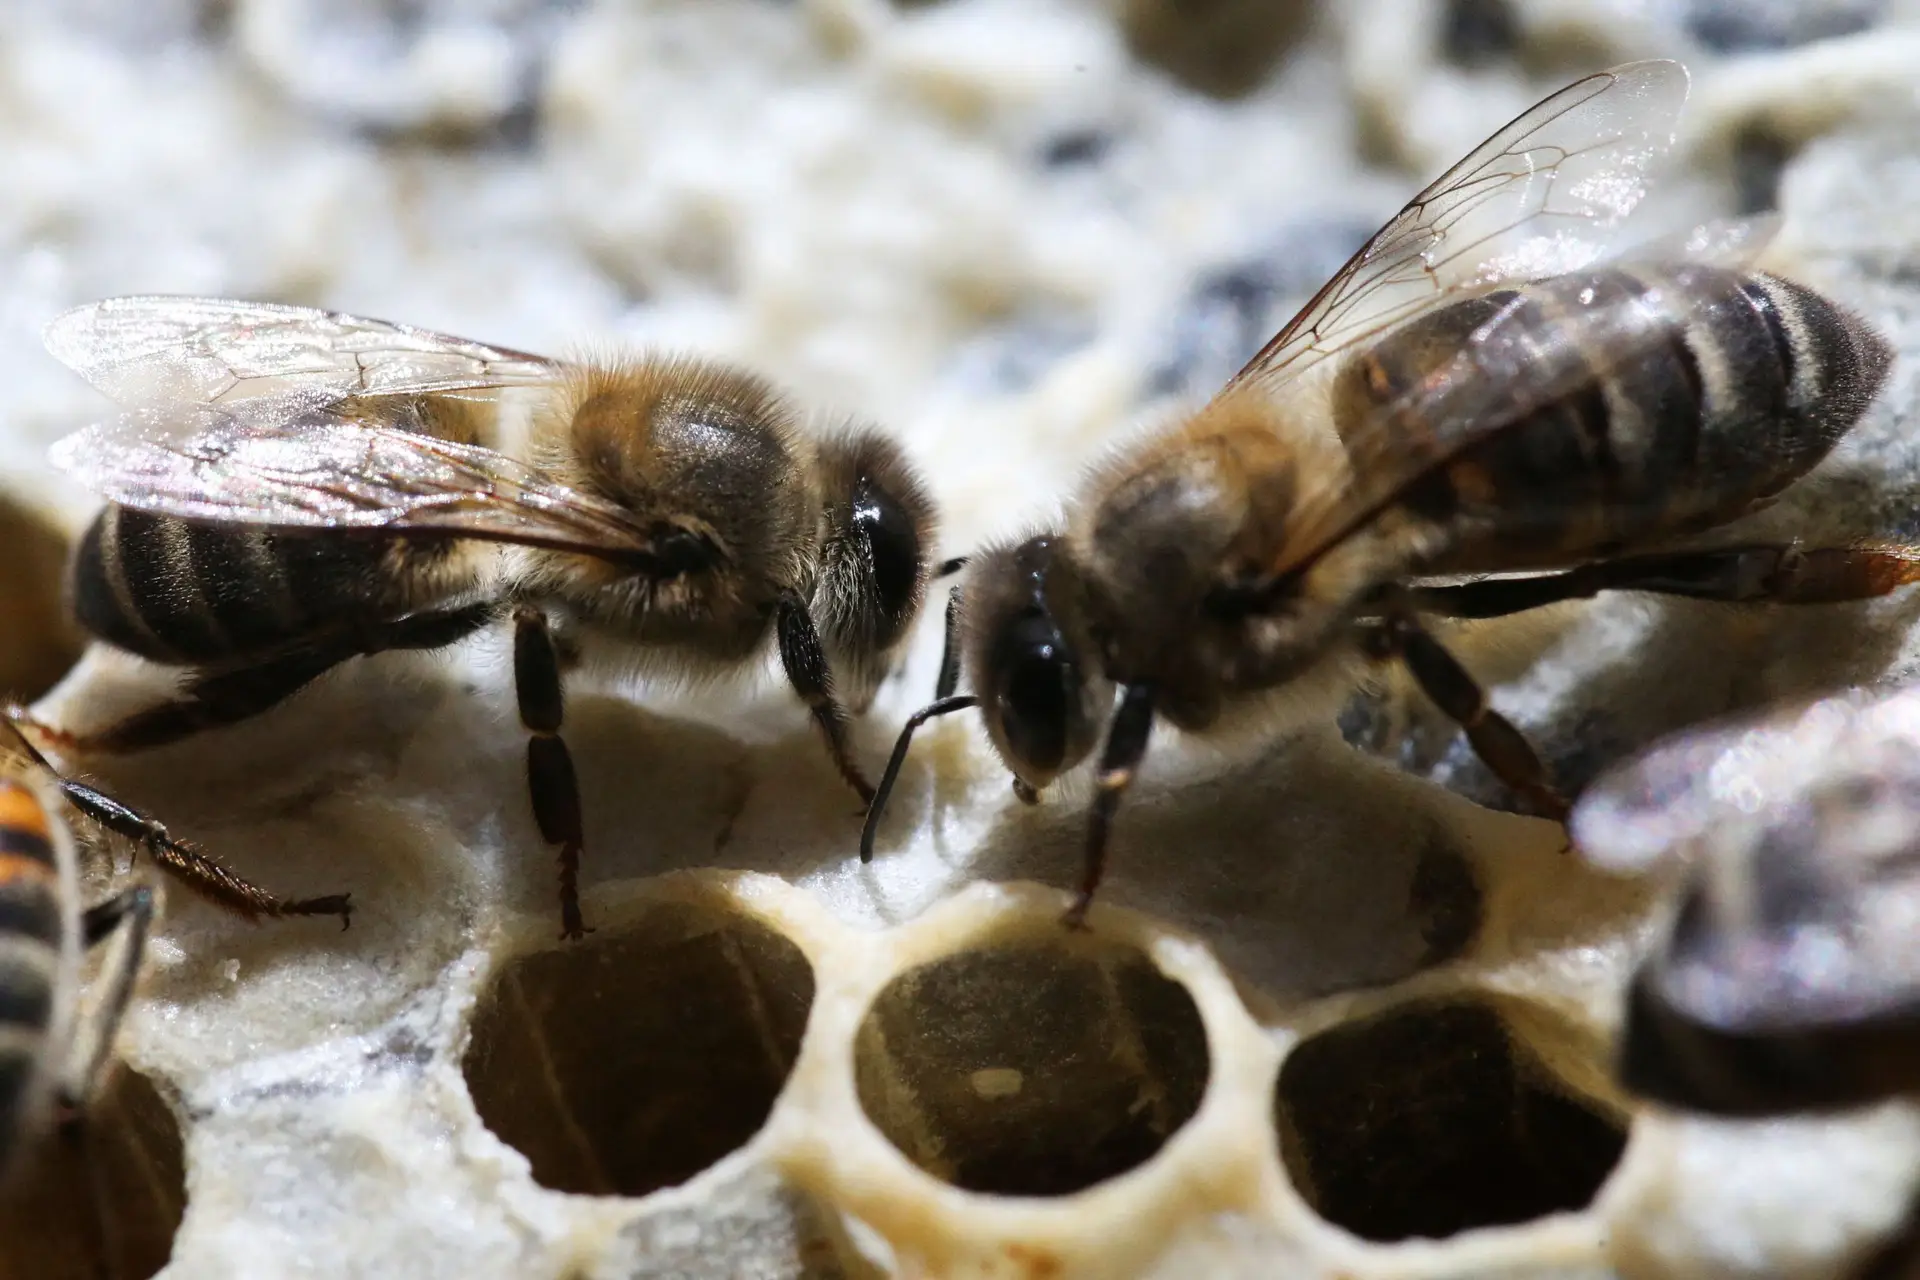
(1222, 48)
(1477, 32)
(1760, 157)
(1032, 1068)
(1433, 1119)
(639, 1057)
(48, 1227)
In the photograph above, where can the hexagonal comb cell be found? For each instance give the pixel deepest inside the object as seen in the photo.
(1032, 1067)
(48, 1226)
(636, 1059)
(1435, 1118)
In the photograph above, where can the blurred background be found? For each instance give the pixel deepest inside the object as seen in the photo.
(1009, 231)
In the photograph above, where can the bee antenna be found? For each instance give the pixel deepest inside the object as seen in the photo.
(950, 567)
(932, 710)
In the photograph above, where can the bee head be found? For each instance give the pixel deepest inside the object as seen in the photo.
(1032, 661)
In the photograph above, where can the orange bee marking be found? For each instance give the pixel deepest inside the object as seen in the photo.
(21, 810)
(18, 868)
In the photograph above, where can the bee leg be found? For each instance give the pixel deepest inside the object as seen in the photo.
(211, 701)
(1773, 574)
(940, 707)
(1776, 574)
(200, 873)
(949, 678)
(551, 781)
(1119, 761)
(130, 911)
(1459, 696)
(217, 699)
(806, 666)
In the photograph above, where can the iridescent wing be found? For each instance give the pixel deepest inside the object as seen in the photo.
(277, 361)
(1545, 194)
(1544, 197)
(1511, 366)
(322, 472)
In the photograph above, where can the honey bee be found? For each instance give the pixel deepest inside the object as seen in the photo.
(1490, 386)
(1789, 978)
(52, 1053)
(293, 488)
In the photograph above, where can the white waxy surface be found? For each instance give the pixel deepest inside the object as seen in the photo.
(856, 198)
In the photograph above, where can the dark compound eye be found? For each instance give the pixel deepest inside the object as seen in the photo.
(1036, 694)
(893, 547)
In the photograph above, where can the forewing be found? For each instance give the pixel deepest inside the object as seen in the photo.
(279, 361)
(321, 473)
(1545, 194)
(1512, 366)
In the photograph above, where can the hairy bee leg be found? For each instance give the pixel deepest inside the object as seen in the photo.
(1119, 761)
(941, 707)
(130, 910)
(198, 872)
(1503, 748)
(551, 781)
(215, 700)
(949, 677)
(1773, 574)
(211, 702)
(806, 667)
(1776, 575)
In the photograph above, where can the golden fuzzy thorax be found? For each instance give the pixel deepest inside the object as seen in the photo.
(703, 455)
(1229, 496)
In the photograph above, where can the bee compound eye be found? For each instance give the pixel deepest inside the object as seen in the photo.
(1035, 704)
(893, 548)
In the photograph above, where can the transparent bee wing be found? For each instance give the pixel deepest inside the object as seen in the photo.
(206, 463)
(280, 361)
(1544, 195)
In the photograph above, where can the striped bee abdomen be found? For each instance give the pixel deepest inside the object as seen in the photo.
(1709, 393)
(193, 593)
(30, 940)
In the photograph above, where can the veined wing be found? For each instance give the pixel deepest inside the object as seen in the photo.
(1545, 194)
(324, 473)
(279, 361)
(1512, 366)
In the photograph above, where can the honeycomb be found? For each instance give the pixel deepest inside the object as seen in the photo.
(1339, 1014)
